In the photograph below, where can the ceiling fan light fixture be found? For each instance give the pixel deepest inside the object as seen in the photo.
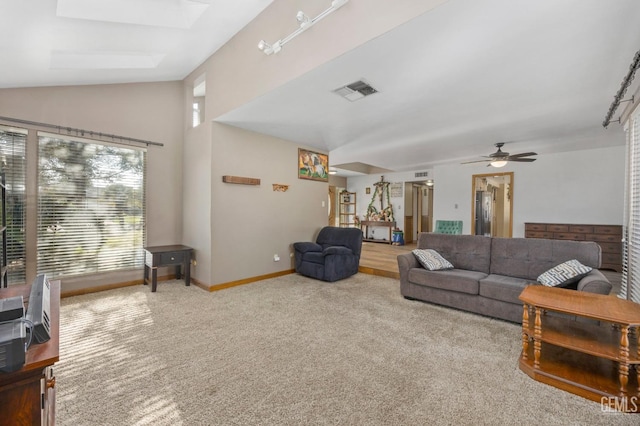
(498, 163)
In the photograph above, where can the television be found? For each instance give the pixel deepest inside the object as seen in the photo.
(39, 309)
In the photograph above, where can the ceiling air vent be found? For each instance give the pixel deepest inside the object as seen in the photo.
(422, 174)
(357, 90)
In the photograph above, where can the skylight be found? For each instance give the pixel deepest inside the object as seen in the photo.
(104, 60)
(161, 13)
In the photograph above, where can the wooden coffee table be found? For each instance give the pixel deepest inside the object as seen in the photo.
(598, 358)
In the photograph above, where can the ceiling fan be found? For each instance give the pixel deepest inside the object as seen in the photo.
(501, 158)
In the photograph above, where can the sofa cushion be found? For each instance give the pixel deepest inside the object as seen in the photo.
(469, 252)
(503, 288)
(431, 259)
(529, 257)
(457, 280)
(564, 274)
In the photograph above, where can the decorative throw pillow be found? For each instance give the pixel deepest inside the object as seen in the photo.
(431, 259)
(565, 274)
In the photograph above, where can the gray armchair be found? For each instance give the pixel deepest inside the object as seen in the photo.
(335, 254)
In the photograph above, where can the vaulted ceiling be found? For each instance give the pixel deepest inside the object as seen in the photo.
(451, 83)
(539, 75)
(68, 42)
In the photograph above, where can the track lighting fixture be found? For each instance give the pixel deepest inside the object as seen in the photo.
(269, 49)
(303, 19)
(305, 23)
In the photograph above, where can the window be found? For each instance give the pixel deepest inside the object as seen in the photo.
(197, 114)
(13, 165)
(199, 93)
(90, 207)
(631, 225)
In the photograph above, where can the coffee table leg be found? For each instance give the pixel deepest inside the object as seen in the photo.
(623, 368)
(537, 345)
(637, 367)
(525, 332)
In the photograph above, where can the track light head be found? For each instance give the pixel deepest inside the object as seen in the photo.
(268, 49)
(303, 19)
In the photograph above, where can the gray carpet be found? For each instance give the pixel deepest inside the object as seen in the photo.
(292, 351)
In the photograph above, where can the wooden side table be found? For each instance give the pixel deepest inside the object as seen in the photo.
(158, 256)
(366, 224)
(598, 360)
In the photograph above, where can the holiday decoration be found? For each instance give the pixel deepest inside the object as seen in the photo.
(385, 213)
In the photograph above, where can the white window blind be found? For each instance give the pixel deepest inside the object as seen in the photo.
(91, 212)
(631, 230)
(13, 165)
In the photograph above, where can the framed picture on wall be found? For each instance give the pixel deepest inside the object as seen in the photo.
(313, 165)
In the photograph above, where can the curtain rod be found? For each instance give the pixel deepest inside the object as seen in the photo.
(626, 82)
(80, 132)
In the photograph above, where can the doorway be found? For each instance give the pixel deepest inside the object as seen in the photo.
(492, 204)
(418, 207)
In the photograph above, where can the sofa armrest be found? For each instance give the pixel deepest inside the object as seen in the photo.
(336, 250)
(595, 282)
(306, 246)
(406, 262)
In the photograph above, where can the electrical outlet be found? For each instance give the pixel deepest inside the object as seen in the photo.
(276, 258)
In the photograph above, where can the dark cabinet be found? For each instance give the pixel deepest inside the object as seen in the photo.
(27, 396)
(608, 237)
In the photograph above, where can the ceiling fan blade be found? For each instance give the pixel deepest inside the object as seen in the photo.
(524, 154)
(528, 160)
(500, 155)
(479, 161)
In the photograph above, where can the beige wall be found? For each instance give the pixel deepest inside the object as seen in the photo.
(149, 111)
(248, 225)
(253, 223)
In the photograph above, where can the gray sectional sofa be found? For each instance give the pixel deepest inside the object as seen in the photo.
(490, 273)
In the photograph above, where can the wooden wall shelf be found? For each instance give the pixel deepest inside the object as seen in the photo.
(240, 180)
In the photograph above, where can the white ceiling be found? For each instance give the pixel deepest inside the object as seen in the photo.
(539, 75)
(69, 42)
